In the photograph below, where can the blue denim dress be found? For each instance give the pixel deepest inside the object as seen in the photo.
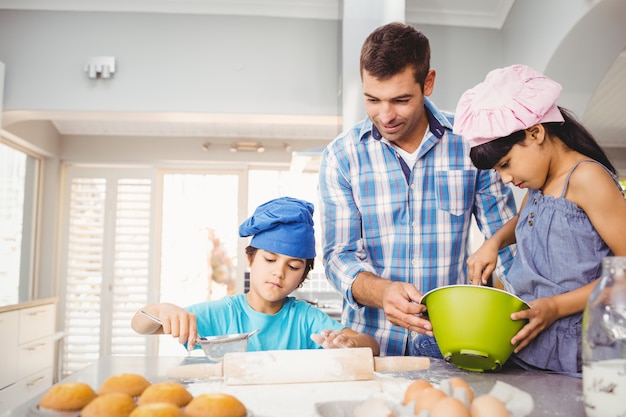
(558, 250)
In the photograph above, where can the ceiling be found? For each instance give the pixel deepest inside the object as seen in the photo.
(477, 13)
(604, 116)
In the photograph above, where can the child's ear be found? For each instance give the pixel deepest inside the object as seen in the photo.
(536, 133)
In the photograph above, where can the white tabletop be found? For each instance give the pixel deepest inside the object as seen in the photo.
(553, 395)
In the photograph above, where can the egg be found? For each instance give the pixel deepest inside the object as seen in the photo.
(449, 407)
(458, 383)
(488, 406)
(427, 398)
(414, 389)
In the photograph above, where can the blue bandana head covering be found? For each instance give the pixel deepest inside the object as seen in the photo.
(283, 225)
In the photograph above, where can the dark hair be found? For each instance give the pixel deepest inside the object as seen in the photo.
(310, 263)
(389, 49)
(573, 134)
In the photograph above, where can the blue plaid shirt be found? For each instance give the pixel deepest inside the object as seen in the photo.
(413, 229)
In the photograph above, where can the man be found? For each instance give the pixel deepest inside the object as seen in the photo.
(398, 191)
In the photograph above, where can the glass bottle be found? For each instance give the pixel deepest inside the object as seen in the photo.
(604, 342)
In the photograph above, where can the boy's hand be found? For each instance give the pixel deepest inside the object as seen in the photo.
(333, 339)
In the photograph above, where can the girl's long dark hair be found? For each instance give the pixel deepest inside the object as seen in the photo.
(573, 134)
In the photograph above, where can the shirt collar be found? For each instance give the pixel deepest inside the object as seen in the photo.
(437, 122)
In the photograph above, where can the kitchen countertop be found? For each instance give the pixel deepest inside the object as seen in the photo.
(553, 394)
(27, 304)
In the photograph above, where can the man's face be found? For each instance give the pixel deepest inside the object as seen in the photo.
(396, 106)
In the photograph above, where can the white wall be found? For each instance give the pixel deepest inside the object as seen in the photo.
(572, 41)
(171, 62)
(461, 57)
(264, 65)
(204, 63)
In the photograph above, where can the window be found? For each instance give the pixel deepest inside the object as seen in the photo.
(139, 236)
(199, 241)
(19, 186)
(108, 263)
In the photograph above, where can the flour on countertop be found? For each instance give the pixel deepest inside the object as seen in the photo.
(299, 399)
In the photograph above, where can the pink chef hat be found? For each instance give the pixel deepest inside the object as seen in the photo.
(509, 100)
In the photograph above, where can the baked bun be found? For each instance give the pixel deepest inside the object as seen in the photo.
(131, 384)
(157, 410)
(215, 405)
(112, 404)
(169, 392)
(67, 396)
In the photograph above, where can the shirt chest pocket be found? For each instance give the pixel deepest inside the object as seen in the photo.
(455, 190)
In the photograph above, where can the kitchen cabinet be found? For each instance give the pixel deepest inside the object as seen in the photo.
(27, 351)
(1, 90)
(9, 332)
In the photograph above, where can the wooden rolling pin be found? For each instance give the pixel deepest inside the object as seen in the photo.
(400, 363)
(291, 366)
(296, 366)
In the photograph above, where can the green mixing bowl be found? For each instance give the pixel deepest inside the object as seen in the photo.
(472, 324)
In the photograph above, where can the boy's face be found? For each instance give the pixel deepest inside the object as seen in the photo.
(274, 276)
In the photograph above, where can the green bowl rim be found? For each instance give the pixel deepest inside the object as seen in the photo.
(422, 301)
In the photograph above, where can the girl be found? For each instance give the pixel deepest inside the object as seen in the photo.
(280, 256)
(573, 215)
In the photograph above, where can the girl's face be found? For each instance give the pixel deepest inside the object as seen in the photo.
(525, 166)
(274, 276)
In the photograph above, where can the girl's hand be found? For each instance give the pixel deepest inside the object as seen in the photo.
(482, 263)
(333, 339)
(542, 313)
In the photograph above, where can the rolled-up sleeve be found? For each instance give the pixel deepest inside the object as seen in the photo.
(344, 256)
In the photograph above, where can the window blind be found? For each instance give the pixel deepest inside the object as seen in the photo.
(108, 267)
(84, 272)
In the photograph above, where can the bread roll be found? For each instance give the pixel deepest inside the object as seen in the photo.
(67, 396)
(157, 410)
(169, 392)
(131, 384)
(112, 404)
(215, 405)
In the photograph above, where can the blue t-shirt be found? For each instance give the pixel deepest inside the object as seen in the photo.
(290, 328)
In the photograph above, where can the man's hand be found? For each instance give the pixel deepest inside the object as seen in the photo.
(401, 303)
